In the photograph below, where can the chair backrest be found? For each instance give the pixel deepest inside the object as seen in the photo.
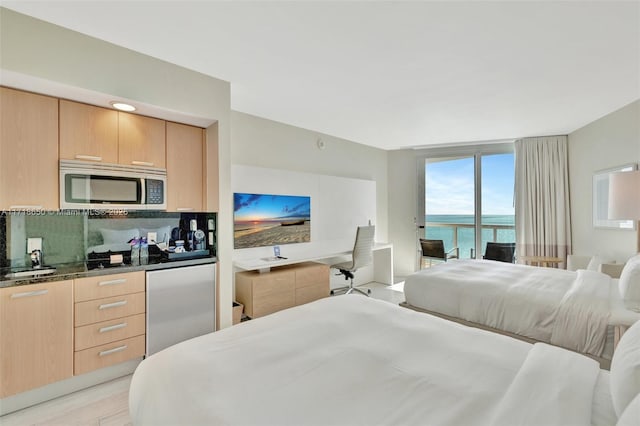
(503, 252)
(433, 248)
(363, 247)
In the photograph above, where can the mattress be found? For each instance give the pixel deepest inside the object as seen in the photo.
(527, 301)
(357, 361)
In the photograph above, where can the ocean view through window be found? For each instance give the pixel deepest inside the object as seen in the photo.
(457, 189)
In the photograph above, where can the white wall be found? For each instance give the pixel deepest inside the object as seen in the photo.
(611, 141)
(264, 143)
(48, 53)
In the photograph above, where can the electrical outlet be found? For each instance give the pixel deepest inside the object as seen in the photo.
(152, 237)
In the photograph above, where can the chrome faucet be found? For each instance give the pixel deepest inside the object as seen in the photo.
(36, 259)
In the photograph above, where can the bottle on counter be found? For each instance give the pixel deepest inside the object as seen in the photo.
(144, 251)
(135, 251)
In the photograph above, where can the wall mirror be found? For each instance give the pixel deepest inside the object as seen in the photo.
(601, 199)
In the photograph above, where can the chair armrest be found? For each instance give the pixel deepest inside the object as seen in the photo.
(456, 256)
(614, 270)
(575, 262)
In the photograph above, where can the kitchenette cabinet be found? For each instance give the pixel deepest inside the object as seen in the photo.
(185, 168)
(36, 335)
(88, 132)
(109, 320)
(28, 151)
(141, 140)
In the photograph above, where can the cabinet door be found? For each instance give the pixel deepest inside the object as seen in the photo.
(88, 132)
(28, 150)
(141, 140)
(36, 335)
(185, 170)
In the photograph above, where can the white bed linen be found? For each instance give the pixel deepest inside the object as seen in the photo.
(566, 308)
(351, 360)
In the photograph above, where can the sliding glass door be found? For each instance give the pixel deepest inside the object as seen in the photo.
(467, 198)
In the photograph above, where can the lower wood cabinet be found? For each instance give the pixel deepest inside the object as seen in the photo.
(109, 320)
(36, 335)
(281, 288)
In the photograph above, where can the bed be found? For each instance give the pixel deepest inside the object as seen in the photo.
(352, 360)
(579, 310)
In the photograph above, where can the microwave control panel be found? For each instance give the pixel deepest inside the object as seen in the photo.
(155, 191)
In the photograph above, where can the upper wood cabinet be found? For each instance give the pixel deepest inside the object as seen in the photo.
(88, 132)
(93, 133)
(28, 150)
(36, 335)
(141, 140)
(185, 168)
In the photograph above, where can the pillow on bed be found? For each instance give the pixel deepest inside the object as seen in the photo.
(631, 416)
(118, 236)
(629, 284)
(625, 369)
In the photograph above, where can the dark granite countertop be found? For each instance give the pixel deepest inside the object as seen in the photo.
(70, 271)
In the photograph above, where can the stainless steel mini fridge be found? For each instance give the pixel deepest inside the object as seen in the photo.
(180, 305)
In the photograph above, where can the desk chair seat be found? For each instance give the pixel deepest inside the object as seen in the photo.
(434, 250)
(362, 256)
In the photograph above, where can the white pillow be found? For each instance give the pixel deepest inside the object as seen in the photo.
(631, 415)
(625, 369)
(118, 236)
(629, 284)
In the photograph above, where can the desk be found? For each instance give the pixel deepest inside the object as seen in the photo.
(382, 260)
(545, 261)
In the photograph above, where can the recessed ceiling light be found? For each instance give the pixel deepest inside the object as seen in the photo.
(123, 107)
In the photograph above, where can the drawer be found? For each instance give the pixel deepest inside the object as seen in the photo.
(108, 308)
(312, 274)
(109, 354)
(91, 288)
(311, 293)
(104, 332)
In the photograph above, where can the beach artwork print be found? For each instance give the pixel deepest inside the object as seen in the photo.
(267, 220)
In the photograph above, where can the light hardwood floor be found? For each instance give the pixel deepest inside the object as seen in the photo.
(107, 404)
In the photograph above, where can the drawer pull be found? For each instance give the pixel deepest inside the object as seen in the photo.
(113, 327)
(184, 209)
(142, 163)
(88, 157)
(112, 351)
(112, 282)
(112, 305)
(29, 294)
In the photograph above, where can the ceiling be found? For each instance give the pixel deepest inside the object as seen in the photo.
(390, 74)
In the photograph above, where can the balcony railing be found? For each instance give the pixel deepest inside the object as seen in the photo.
(496, 233)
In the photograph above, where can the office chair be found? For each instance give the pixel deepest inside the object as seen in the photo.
(434, 250)
(502, 252)
(362, 256)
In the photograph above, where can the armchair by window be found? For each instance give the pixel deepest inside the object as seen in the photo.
(434, 250)
(502, 252)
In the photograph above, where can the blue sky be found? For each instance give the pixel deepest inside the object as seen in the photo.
(256, 207)
(449, 186)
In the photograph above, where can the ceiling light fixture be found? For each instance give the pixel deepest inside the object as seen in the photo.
(122, 106)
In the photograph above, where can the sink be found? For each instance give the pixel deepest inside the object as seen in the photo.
(31, 273)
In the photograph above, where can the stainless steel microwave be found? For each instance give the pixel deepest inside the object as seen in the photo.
(88, 185)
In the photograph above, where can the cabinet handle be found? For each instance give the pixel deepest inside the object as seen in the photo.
(113, 327)
(112, 305)
(113, 282)
(88, 157)
(112, 351)
(25, 207)
(29, 294)
(184, 209)
(142, 163)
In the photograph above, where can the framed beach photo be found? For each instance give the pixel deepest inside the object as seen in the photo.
(601, 199)
(270, 220)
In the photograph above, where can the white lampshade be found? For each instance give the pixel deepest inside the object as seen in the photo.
(624, 195)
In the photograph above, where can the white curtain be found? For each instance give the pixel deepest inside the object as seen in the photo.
(543, 215)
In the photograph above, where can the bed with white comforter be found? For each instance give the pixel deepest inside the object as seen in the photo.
(571, 309)
(352, 360)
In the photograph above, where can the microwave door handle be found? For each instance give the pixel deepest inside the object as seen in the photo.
(143, 192)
